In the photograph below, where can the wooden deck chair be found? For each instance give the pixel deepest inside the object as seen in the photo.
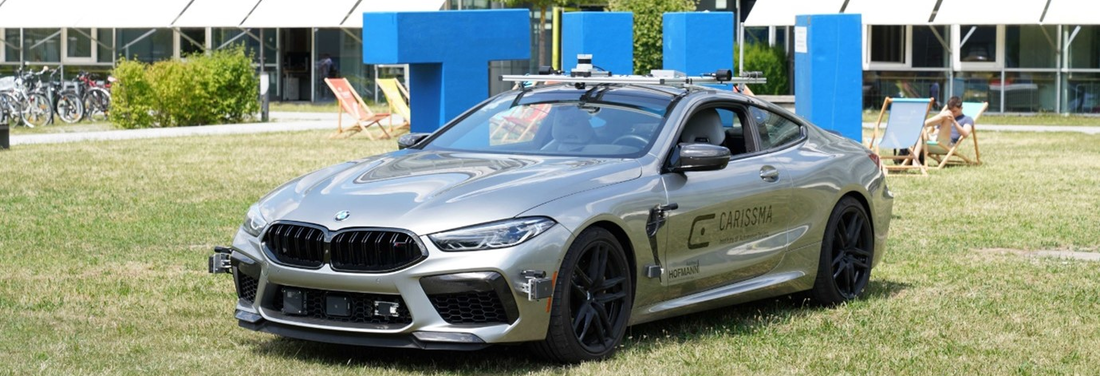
(397, 99)
(353, 104)
(943, 154)
(904, 130)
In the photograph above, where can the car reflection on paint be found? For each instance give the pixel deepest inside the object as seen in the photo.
(558, 215)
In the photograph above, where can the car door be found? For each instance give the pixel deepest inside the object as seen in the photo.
(730, 224)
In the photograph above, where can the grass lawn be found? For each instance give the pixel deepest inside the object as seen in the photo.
(104, 245)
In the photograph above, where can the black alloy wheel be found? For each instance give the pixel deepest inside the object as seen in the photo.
(591, 301)
(847, 251)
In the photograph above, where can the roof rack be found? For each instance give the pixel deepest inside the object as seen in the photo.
(584, 74)
(636, 79)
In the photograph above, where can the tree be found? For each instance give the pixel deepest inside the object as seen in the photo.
(541, 5)
(648, 37)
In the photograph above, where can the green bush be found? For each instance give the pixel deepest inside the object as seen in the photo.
(215, 88)
(770, 60)
(131, 106)
(648, 37)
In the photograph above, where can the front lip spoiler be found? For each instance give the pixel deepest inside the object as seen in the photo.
(404, 341)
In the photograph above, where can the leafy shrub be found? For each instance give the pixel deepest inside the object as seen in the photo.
(648, 37)
(770, 60)
(131, 104)
(215, 88)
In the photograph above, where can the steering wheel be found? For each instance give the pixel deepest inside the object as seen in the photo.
(631, 140)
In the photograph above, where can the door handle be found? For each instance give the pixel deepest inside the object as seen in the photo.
(769, 174)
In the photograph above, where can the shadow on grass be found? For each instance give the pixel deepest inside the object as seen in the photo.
(743, 319)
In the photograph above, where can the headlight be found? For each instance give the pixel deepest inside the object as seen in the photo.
(254, 222)
(501, 234)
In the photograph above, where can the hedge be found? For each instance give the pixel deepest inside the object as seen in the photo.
(770, 60)
(216, 88)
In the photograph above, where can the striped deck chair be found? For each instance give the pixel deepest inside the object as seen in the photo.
(904, 131)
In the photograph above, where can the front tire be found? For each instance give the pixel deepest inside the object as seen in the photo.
(36, 111)
(592, 300)
(847, 251)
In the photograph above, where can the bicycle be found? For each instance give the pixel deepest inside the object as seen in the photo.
(35, 108)
(96, 97)
(66, 104)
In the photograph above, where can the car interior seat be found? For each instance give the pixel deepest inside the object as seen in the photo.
(704, 127)
(735, 140)
(571, 130)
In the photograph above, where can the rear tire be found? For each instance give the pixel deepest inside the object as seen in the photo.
(97, 103)
(69, 107)
(847, 251)
(592, 300)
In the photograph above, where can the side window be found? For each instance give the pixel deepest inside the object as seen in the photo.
(735, 133)
(775, 130)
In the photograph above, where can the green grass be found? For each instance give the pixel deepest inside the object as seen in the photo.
(103, 251)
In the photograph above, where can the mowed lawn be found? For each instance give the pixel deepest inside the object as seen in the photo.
(103, 250)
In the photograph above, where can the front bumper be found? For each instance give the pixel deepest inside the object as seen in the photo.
(448, 300)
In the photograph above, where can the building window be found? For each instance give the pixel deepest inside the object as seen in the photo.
(78, 44)
(755, 35)
(228, 38)
(928, 51)
(42, 45)
(148, 45)
(1084, 49)
(887, 44)
(979, 43)
(781, 37)
(192, 41)
(11, 45)
(1030, 46)
(105, 43)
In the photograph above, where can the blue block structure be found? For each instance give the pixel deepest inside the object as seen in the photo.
(448, 53)
(698, 42)
(607, 36)
(828, 74)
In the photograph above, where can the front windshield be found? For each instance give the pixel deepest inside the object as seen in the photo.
(557, 124)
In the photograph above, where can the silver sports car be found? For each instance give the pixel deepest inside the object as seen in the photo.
(558, 215)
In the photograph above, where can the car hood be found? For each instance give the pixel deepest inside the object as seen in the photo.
(431, 191)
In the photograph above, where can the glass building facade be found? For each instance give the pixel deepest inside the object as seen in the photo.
(289, 56)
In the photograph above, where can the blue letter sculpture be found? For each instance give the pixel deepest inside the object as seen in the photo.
(828, 75)
(698, 42)
(607, 36)
(448, 54)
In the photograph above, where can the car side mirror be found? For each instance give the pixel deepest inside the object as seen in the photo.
(698, 157)
(409, 140)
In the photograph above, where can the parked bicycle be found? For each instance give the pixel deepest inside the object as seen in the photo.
(96, 97)
(33, 108)
(68, 106)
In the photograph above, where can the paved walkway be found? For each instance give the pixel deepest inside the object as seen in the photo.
(301, 121)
